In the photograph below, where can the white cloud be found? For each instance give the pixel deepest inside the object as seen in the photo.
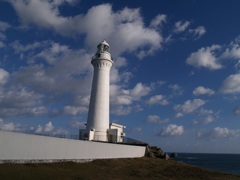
(73, 110)
(207, 116)
(176, 89)
(179, 115)
(115, 75)
(4, 75)
(157, 99)
(236, 111)
(198, 32)
(4, 26)
(204, 112)
(205, 57)
(233, 50)
(2, 44)
(46, 14)
(208, 119)
(181, 26)
(19, 48)
(136, 130)
(10, 126)
(48, 128)
(219, 133)
(188, 106)
(119, 98)
(77, 124)
(39, 129)
(20, 102)
(156, 119)
(158, 21)
(66, 64)
(125, 26)
(127, 96)
(121, 110)
(172, 130)
(200, 90)
(231, 85)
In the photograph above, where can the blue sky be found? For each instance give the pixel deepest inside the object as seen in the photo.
(175, 82)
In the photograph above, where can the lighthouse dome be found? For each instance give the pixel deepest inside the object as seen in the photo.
(103, 46)
(104, 42)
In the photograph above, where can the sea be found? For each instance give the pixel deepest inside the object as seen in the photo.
(229, 163)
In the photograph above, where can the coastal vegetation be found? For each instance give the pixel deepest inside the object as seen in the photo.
(138, 168)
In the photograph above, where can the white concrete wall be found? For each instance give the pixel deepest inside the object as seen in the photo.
(18, 147)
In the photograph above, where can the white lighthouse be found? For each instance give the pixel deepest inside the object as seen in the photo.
(98, 113)
(98, 127)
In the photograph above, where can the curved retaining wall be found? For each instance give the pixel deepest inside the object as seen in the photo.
(21, 148)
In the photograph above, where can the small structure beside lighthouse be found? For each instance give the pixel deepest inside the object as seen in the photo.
(98, 127)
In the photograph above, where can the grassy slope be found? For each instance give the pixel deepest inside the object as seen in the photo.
(140, 168)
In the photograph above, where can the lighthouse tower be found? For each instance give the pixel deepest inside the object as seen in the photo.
(98, 113)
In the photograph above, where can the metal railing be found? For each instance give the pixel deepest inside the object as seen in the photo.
(64, 136)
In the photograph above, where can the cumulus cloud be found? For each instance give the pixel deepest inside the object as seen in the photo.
(158, 21)
(118, 74)
(46, 12)
(157, 99)
(233, 50)
(219, 133)
(20, 102)
(25, 95)
(136, 130)
(3, 27)
(73, 110)
(208, 119)
(207, 116)
(4, 75)
(198, 32)
(172, 130)
(121, 98)
(77, 124)
(202, 91)
(176, 89)
(10, 126)
(156, 119)
(127, 96)
(205, 57)
(231, 85)
(181, 26)
(139, 91)
(47, 128)
(236, 111)
(125, 26)
(188, 106)
(65, 65)
(121, 110)
(203, 112)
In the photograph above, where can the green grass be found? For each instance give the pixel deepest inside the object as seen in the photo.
(139, 168)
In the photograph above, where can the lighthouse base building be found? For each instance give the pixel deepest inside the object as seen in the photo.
(114, 134)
